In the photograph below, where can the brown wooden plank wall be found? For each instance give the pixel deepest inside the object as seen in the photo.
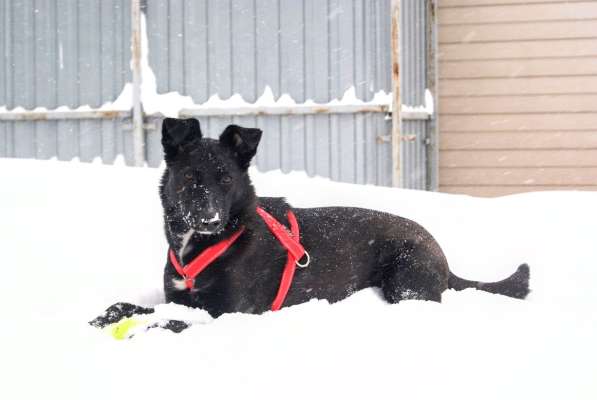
(518, 95)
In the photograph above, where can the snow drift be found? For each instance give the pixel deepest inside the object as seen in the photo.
(76, 238)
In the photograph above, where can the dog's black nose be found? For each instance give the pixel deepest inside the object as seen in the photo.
(210, 225)
(210, 222)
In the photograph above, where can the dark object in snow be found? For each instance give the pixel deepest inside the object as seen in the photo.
(516, 285)
(119, 312)
(173, 325)
(207, 197)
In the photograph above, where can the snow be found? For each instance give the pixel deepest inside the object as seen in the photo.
(78, 237)
(426, 108)
(123, 102)
(169, 103)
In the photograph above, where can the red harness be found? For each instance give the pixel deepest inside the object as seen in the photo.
(290, 241)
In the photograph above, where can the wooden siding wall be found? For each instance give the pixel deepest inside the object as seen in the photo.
(518, 95)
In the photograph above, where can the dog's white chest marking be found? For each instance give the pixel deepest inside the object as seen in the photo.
(178, 284)
(186, 237)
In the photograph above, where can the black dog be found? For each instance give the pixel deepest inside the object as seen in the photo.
(208, 197)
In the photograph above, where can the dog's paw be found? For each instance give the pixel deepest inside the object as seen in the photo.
(118, 311)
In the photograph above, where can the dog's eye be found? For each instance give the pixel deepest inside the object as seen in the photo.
(226, 180)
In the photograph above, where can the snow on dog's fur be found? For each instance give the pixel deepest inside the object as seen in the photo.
(207, 195)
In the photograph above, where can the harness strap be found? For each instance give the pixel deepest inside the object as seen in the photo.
(202, 261)
(290, 240)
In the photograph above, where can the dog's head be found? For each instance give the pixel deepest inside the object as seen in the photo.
(206, 180)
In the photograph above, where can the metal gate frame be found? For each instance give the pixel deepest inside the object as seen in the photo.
(414, 72)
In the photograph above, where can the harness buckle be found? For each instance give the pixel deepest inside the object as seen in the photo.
(307, 262)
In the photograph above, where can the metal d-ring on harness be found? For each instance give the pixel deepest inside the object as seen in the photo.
(307, 262)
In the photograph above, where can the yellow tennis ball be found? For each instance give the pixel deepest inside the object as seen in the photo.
(120, 330)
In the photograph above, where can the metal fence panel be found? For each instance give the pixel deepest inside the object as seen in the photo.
(63, 53)
(77, 52)
(309, 49)
(205, 47)
(306, 143)
(413, 81)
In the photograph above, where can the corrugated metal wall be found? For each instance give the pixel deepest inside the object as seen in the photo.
(310, 49)
(59, 53)
(77, 52)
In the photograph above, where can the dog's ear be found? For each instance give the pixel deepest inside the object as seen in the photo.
(243, 141)
(178, 134)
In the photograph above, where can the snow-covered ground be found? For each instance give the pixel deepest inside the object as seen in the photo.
(75, 238)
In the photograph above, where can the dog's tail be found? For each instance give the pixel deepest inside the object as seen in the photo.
(516, 285)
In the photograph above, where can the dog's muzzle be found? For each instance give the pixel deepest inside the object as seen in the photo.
(208, 223)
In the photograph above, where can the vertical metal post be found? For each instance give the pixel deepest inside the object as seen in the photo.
(396, 103)
(414, 122)
(432, 85)
(138, 134)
